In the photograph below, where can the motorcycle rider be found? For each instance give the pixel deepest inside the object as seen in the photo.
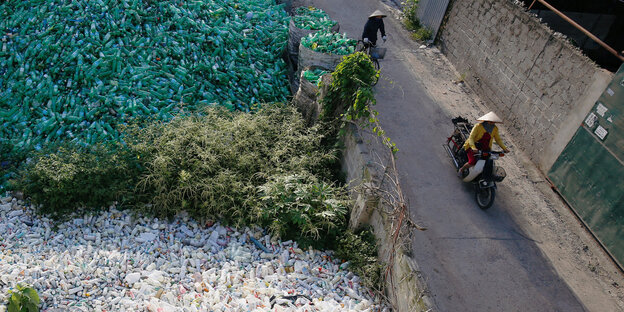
(373, 24)
(481, 139)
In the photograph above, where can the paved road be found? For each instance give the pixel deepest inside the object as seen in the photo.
(473, 260)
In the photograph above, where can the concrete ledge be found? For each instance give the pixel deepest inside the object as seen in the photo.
(367, 164)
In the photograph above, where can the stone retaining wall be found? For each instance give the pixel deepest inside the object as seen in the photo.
(366, 162)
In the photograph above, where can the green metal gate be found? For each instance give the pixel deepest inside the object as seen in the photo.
(589, 173)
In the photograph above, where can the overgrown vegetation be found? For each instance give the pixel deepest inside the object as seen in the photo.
(67, 178)
(221, 165)
(262, 168)
(213, 165)
(410, 8)
(410, 19)
(25, 299)
(422, 34)
(350, 95)
(301, 204)
(359, 248)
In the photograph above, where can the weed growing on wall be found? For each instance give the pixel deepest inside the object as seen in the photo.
(411, 22)
(410, 8)
(359, 248)
(422, 34)
(350, 95)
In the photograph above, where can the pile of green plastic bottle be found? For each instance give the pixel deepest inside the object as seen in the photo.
(76, 70)
(312, 18)
(329, 42)
(313, 75)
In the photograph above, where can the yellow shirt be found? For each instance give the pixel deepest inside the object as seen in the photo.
(477, 133)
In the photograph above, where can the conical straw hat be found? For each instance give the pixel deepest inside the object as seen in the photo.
(377, 13)
(491, 116)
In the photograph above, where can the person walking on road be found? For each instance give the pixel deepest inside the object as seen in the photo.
(373, 24)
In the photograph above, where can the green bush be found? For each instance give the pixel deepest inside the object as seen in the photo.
(211, 166)
(264, 168)
(419, 32)
(410, 8)
(25, 299)
(302, 208)
(350, 95)
(359, 248)
(70, 178)
(351, 91)
(422, 34)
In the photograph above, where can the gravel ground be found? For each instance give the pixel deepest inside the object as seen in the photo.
(114, 261)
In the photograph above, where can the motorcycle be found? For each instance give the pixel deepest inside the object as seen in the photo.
(484, 174)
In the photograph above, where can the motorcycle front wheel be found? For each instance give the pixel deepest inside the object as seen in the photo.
(485, 197)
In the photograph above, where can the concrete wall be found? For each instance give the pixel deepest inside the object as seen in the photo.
(533, 78)
(366, 163)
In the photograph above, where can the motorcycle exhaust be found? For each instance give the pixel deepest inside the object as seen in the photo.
(450, 153)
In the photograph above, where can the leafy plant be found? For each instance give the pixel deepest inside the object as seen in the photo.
(212, 165)
(70, 177)
(350, 94)
(410, 19)
(410, 8)
(25, 299)
(302, 208)
(354, 74)
(215, 165)
(422, 34)
(461, 78)
(359, 248)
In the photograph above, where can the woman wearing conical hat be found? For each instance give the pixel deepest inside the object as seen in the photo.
(373, 24)
(481, 139)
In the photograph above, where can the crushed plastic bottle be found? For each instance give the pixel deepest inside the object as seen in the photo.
(164, 274)
(329, 42)
(314, 75)
(75, 71)
(312, 18)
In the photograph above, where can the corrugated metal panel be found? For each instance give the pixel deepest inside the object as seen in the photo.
(430, 14)
(589, 171)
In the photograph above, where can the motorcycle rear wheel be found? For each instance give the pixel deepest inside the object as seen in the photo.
(485, 197)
